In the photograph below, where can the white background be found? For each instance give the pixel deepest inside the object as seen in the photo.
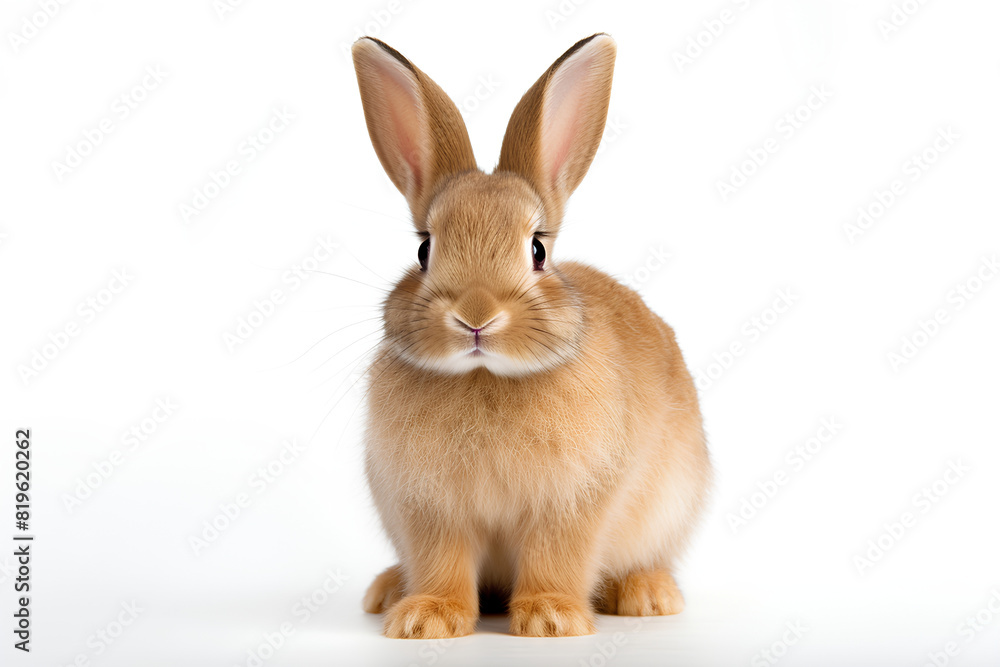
(676, 130)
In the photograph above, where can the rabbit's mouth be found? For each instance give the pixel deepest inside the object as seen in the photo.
(506, 331)
(478, 350)
(478, 332)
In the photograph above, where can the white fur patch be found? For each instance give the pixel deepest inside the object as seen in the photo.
(466, 362)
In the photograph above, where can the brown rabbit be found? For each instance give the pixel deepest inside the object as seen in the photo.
(532, 429)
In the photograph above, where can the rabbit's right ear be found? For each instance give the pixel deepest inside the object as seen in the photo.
(557, 126)
(417, 131)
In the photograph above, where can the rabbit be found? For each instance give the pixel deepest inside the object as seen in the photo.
(532, 433)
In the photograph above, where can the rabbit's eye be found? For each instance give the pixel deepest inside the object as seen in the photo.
(538, 254)
(422, 253)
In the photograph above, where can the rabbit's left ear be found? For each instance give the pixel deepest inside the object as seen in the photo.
(417, 131)
(557, 126)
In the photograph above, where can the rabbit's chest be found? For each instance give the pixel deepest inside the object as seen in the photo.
(492, 457)
(494, 447)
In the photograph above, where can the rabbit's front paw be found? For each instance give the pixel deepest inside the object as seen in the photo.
(429, 617)
(550, 615)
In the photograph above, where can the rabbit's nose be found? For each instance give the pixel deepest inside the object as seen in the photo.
(473, 329)
(476, 310)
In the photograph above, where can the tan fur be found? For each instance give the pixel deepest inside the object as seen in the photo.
(640, 593)
(416, 170)
(385, 591)
(563, 462)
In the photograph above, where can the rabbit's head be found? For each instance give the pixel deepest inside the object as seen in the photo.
(486, 291)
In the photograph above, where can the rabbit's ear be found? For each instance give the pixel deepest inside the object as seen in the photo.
(417, 131)
(557, 126)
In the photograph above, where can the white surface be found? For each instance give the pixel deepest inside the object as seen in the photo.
(673, 134)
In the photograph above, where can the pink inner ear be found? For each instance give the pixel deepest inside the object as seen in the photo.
(564, 109)
(403, 102)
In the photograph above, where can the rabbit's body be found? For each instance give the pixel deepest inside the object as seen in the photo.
(532, 428)
(495, 454)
